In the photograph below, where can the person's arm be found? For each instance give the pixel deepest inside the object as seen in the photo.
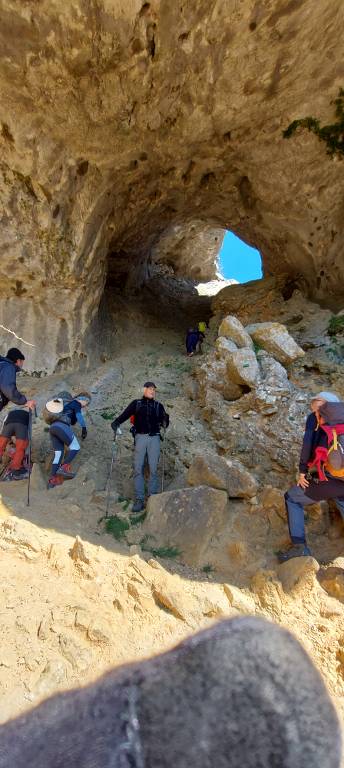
(9, 387)
(164, 418)
(129, 411)
(306, 450)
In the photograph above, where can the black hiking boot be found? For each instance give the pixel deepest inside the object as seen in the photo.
(15, 474)
(138, 506)
(297, 550)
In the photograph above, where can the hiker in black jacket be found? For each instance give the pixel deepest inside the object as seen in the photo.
(148, 415)
(9, 367)
(311, 488)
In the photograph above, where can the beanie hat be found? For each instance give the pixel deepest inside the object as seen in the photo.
(329, 397)
(14, 354)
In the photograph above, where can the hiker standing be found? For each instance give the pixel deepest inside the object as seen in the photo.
(9, 367)
(328, 483)
(191, 341)
(17, 422)
(149, 415)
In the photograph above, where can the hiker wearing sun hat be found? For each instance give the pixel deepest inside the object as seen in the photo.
(147, 416)
(311, 488)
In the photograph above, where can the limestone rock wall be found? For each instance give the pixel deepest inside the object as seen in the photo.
(120, 121)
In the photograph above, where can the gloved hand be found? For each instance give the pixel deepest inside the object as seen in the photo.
(115, 426)
(83, 433)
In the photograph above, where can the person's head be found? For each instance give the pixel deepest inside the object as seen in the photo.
(84, 399)
(149, 390)
(15, 356)
(321, 398)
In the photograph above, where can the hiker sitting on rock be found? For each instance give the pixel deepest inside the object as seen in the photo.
(9, 367)
(16, 425)
(149, 416)
(323, 453)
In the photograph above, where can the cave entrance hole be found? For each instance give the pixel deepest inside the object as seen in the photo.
(239, 261)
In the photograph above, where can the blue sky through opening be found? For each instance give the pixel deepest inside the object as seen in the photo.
(238, 260)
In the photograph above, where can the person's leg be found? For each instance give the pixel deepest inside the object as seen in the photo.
(340, 505)
(22, 442)
(153, 452)
(58, 448)
(73, 451)
(139, 461)
(295, 501)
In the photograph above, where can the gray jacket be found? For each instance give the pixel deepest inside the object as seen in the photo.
(8, 386)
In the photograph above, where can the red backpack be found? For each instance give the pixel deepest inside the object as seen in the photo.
(330, 459)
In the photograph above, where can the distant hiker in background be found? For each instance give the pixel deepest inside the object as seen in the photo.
(61, 414)
(9, 367)
(191, 341)
(202, 327)
(149, 416)
(321, 469)
(201, 335)
(16, 425)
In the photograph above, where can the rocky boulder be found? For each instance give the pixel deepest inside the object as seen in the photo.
(226, 474)
(332, 581)
(231, 328)
(276, 340)
(213, 374)
(187, 519)
(223, 346)
(246, 685)
(242, 367)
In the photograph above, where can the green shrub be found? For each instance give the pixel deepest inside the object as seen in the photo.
(336, 325)
(332, 134)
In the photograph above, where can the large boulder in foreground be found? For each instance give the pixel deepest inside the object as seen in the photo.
(275, 339)
(242, 694)
(187, 519)
(226, 474)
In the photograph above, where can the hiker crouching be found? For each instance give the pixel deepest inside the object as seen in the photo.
(61, 415)
(149, 416)
(321, 469)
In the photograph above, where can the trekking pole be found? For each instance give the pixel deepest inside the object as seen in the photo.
(113, 454)
(29, 454)
(163, 460)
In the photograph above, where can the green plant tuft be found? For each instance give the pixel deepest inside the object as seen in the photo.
(208, 568)
(107, 415)
(169, 551)
(117, 527)
(332, 134)
(336, 325)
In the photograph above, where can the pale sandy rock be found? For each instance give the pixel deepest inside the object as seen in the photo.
(51, 677)
(223, 346)
(269, 592)
(188, 519)
(99, 631)
(239, 599)
(20, 535)
(78, 657)
(231, 328)
(332, 581)
(226, 474)
(242, 367)
(168, 592)
(298, 572)
(38, 480)
(80, 552)
(213, 374)
(276, 340)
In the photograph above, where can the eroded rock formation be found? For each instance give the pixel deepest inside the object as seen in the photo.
(120, 121)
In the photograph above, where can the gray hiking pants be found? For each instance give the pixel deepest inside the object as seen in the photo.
(150, 446)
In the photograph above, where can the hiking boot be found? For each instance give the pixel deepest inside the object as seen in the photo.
(297, 550)
(138, 506)
(15, 474)
(65, 472)
(54, 481)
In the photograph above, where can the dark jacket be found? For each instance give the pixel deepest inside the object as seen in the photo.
(8, 387)
(313, 437)
(149, 416)
(73, 411)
